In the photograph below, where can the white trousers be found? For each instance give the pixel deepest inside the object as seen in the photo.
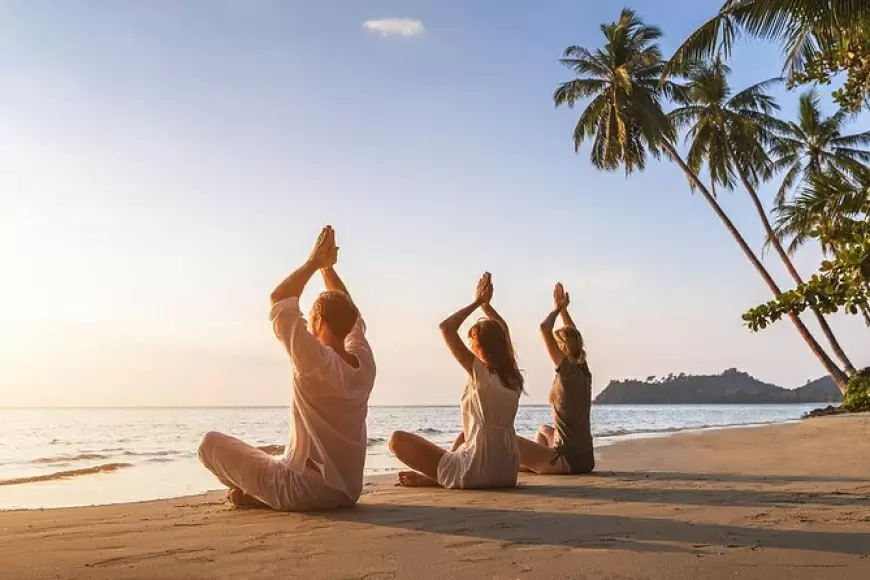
(265, 477)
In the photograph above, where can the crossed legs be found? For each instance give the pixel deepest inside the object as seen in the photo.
(255, 478)
(243, 468)
(420, 454)
(539, 456)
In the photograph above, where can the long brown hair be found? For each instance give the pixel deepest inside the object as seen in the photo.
(498, 353)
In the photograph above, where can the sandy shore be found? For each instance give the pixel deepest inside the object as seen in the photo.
(787, 501)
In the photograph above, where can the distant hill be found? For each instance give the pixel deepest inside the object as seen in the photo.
(730, 387)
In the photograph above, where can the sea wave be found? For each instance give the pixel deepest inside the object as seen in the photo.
(68, 458)
(153, 453)
(106, 467)
(622, 432)
(91, 456)
(375, 441)
(429, 431)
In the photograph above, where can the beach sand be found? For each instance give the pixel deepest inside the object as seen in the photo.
(786, 501)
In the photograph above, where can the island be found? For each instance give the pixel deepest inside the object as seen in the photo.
(732, 387)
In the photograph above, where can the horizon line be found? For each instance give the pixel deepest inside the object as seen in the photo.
(529, 405)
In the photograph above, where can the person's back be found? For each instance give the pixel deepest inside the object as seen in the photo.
(571, 399)
(333, 375)
(330, 405)
(567, 446)
(491, 457)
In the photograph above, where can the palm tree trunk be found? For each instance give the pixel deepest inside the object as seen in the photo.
(839, 377)
(774, 239)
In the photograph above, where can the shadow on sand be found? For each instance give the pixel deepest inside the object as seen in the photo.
(580, 530)
(695, 497)
(725, 477)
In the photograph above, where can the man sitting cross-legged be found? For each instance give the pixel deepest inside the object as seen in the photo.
(333, 376)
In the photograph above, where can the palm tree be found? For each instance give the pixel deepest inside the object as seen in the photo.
(828, 201)
(625, 122)
(828, 168)
(803, 27)
(815, 145)
(624, 118)
(729, 133)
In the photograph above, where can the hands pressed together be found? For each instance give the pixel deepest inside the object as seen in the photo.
(561, 299)
(483, 293)
(325, 252)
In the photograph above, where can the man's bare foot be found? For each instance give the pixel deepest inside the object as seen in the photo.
(525, 469)
(414, 479)
(240, 499)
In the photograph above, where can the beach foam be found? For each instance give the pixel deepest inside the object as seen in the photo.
(68, 458)
(65, 474)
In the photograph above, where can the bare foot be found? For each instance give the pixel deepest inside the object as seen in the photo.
(414, 479)
(240, 499)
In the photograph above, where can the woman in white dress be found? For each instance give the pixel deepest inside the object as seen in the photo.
(486, 453)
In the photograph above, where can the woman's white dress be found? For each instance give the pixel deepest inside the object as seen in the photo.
(489, 458)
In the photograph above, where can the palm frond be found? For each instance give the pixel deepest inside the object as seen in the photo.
(681, 117)
(788, 182)
(755, 97)
(568, 93)
(801, 26)
(717, 35)
(587, 123)
(814, 146)
(858, 139)
(862, 155)
(800, 46)
(582, 62)
(830, 200)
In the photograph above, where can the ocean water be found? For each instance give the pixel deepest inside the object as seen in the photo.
(72, 457)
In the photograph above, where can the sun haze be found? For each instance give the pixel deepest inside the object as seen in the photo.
(164, 165)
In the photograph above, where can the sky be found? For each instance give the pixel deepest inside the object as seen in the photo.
(163, 165)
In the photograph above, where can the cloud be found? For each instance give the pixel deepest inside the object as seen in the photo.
(395, 26)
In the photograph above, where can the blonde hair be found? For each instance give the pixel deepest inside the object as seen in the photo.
(570, 342)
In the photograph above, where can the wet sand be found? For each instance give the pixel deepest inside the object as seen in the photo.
(787, 501)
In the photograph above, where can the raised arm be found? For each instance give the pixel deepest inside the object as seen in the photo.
(306, 352)
(556, 354)
(333, 281)
(450, 333)
(323, 255)
(294, 284)
(491, 313)
(450, 326)
(566, 318)
(560, 302)
(559, 295)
